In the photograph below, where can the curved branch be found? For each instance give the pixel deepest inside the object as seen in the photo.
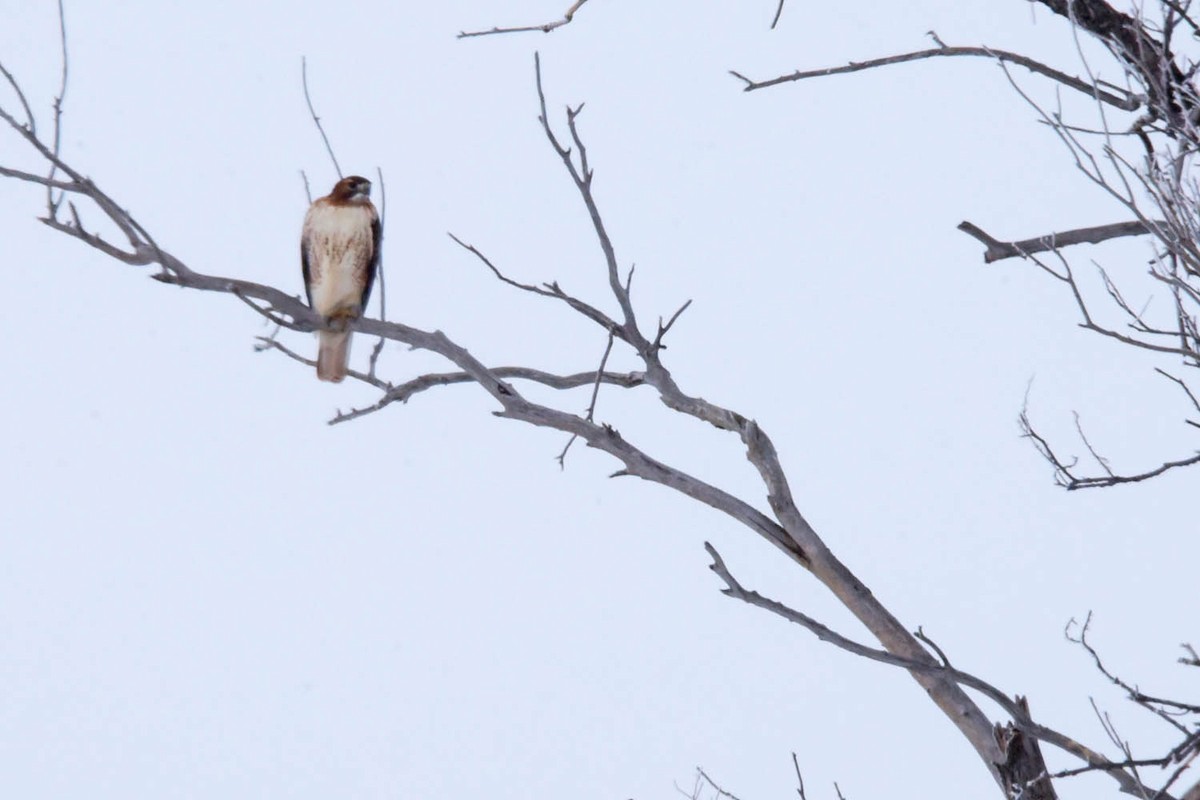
(1127, 103)
(548, 290)
(778, 14)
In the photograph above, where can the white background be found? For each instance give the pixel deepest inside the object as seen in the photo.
(205, 591)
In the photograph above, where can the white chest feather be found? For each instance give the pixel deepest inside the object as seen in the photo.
(339, 243)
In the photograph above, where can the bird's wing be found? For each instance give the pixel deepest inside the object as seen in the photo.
(373, 264)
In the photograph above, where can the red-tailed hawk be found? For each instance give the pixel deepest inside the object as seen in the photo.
(339, 252)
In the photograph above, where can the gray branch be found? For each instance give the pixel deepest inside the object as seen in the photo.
(998, 250)
(404, 391)
(1126, 102)
(545, 27)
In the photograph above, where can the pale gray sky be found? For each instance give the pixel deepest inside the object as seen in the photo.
(207, 592)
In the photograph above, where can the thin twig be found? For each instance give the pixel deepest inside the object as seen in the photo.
(941, 654)
(317, 120)
(591, 409)
(720, 792)
(307, 189)
(1186, 389)
(547, 290)
(379, 267)
(799, 777)
(30, 120)
(663, 329)
(778, 13)
(401, 393)
(545, 27)
(51, 204)
(1099, 459)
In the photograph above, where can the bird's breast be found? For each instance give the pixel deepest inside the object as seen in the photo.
(339, 242)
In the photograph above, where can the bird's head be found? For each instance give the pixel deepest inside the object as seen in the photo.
(351, 189)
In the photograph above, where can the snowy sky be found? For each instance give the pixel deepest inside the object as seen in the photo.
(205, 591)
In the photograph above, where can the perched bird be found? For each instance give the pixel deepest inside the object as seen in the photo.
(339, 253)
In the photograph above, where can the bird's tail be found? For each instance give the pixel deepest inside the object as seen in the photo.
(333, 355)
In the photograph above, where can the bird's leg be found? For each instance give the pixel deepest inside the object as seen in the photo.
(340, 320)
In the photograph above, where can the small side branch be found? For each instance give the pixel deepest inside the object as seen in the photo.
(1166, 709)
(379, 271)
(591, 409)
(547, 290)
(51, 202)
(404, 391)
(545, 27)
(1065, 471)
(721, 792)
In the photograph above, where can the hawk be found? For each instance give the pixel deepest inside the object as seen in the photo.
(339, 254)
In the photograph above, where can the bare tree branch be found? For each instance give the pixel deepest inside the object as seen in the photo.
(379, 271)
(545, 27)
(403, 392)
(591, 409)
(1185, 388)
(1163, 708)
(1065, 471)
(548, 290)
(1182, 754)
(799, 777)
(720, 792)
(998, 250)
(59, 98)
(1126, 103)
(1018, 708)
(317, 120)
(30, 120)
(778, 14)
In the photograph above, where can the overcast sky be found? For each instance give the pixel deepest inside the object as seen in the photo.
(206, 591)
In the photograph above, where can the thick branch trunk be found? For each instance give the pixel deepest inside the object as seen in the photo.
(1149, 57)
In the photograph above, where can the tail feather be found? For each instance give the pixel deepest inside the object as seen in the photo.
(333, 355)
